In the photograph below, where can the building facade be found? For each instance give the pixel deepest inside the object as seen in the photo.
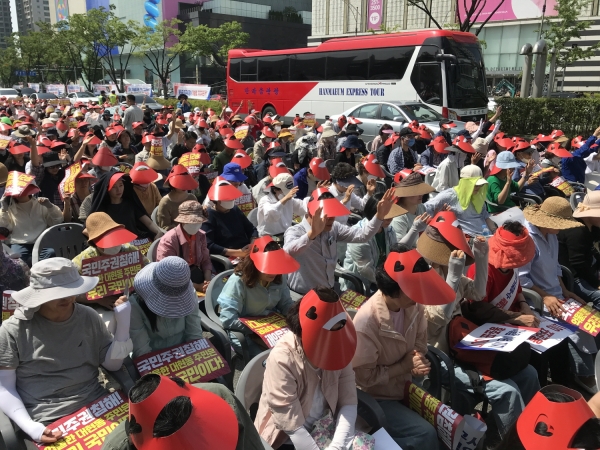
(5, 22)
(30, 12)
(516, 23)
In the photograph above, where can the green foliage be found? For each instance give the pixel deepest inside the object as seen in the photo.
(216, 42)
(217, 106)
(531, 116)
(9, 63)
(567, 27)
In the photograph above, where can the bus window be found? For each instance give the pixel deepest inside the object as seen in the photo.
(234, 69)
(248, 70)
(307, 67)
(427, 81)
(388, 112)
(273, 68)
(368, 111)
(352, 65)
(389, 63)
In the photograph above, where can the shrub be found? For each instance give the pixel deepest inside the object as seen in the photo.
(531, 116)
(217, 106)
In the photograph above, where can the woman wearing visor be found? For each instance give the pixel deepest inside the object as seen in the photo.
(257, 288)
(308, 374)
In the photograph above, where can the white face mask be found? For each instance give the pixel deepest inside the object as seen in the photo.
(227, 205)
(555, 160)
(191, 228)
(277, 128)
(106, 168)
(111, 250)
(268, 140)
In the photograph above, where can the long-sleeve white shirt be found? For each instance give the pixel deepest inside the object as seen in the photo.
(355, 202)
(26, 221)
(275, 217)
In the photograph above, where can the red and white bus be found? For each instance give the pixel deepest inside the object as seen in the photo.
(441, 68)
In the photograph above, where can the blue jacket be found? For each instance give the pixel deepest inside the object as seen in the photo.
(573, 169)
(301, 181)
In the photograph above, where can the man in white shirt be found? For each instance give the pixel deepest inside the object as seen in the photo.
(132, 114)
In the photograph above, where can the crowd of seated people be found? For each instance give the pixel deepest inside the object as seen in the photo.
(441, 232)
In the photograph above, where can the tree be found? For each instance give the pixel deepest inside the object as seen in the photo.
(35, 48)
(566, 28)
(115, 40)
(160, 48)
(472, 11)
(216, 42)
(77, 40)
(9, 64)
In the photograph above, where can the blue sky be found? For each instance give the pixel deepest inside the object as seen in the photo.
(13, 15)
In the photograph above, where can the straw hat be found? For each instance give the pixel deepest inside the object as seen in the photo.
(157, 160)
(555, 213)
(589, 206)
(413, 185)
(105, 232)
(328, 131)
(441, 238)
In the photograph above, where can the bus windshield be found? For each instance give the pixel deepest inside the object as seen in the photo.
(466, 85)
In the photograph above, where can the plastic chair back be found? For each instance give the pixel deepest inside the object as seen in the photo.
(154, 215)
(253, 217)
(66, 239)
(368, 146)
(249, 385)
(568, 278)
(592, 180)
(534, 299)
(212, 294)
(153, 250)
(576, 199)
(429, 177)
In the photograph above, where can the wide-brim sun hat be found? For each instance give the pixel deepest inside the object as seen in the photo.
(53, 279)
(441, 238)
(554, 213)
(413, 185)
(104, 232)
(166, 288)
(589, 206)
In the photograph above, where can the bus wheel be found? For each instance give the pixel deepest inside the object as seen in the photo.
(268, 110)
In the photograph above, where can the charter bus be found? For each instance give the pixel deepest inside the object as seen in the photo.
(441, 68)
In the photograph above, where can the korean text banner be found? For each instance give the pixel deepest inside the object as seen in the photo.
(584, 317)
(73, 88)
(194, 362)
(352, 299)
(455, 431)
(87, 428)
(56, 89)
(140, 89)
(197, 91)
(17, 182)
(112, 271)
(269, 328)
(67, 185)
(509, 10)
(9, 305)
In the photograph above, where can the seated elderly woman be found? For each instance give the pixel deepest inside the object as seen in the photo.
(410, 191)
(52, 347)
(228, 230)
(309, 373)
(276, 210)
(467, 201)
(257, 288)
(26, 218)
(179, 182)
(165, 307)
(188, 242)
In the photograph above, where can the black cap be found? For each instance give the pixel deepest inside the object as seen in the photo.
(407, 132)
